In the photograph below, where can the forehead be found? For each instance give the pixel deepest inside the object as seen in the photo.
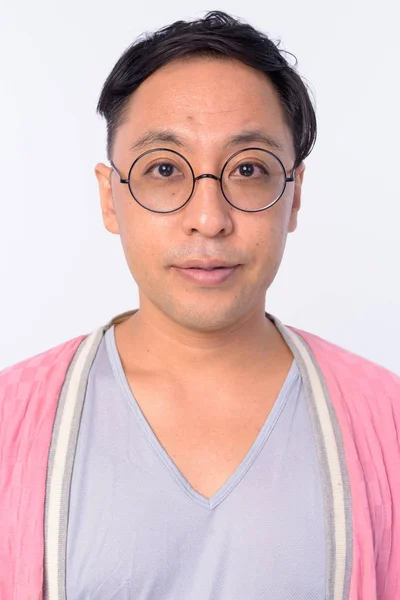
(205, 100)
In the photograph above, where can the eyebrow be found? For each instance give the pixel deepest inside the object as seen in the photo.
(255, 135)
(156, 136)
(245, 137)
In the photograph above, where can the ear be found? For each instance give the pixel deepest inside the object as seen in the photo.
(299, 174)
(103, 175)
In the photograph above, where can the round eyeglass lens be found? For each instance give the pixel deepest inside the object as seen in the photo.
(253, 179)
(161, 180)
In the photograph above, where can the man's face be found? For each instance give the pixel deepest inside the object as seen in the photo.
(203, 102)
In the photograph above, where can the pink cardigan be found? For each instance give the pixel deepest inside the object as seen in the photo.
(354, 407)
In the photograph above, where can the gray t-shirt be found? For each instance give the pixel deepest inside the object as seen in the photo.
(138, 530)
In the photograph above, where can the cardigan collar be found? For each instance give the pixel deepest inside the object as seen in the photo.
(327, 436)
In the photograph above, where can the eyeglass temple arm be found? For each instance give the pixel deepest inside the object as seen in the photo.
(118, 173)
(292, 176)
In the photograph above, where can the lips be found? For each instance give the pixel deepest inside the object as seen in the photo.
(207, 276)
(210, 269)
(205, 264)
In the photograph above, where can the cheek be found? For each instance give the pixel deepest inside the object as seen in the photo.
(143, 237)
(138, 249)
(268, 232)
(268, 246)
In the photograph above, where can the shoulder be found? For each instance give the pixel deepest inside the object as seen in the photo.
(364, 393)
(350, 375)
(29, 393)
(18, 379)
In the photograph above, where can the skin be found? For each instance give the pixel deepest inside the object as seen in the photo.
(182, 329)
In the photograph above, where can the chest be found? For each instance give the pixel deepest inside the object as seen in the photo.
(148, 526)
(206, 434)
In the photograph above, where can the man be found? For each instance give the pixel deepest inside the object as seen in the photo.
(197, 447)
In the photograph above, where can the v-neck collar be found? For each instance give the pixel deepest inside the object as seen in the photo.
(247, 461)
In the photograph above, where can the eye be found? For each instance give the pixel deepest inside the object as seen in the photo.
(162, 169)
(250, 170)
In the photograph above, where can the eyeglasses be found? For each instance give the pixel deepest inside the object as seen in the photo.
(162, 180)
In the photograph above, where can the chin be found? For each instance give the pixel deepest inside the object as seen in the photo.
(204, 316)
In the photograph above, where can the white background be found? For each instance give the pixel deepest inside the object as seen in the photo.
(62, 274)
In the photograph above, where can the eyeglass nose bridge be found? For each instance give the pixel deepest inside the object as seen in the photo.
(207, 176)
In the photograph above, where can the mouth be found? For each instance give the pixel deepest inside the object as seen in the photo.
(207, 276)
(208, 268)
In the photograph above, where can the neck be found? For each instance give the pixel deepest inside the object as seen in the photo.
(150, 340)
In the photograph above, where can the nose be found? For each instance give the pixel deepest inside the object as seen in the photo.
(207, 211)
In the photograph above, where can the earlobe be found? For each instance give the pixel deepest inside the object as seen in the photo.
(103, 176)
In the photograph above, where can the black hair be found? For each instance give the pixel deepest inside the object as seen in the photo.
(216, 35)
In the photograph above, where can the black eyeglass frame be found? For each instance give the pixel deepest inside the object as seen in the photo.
(289, 179)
